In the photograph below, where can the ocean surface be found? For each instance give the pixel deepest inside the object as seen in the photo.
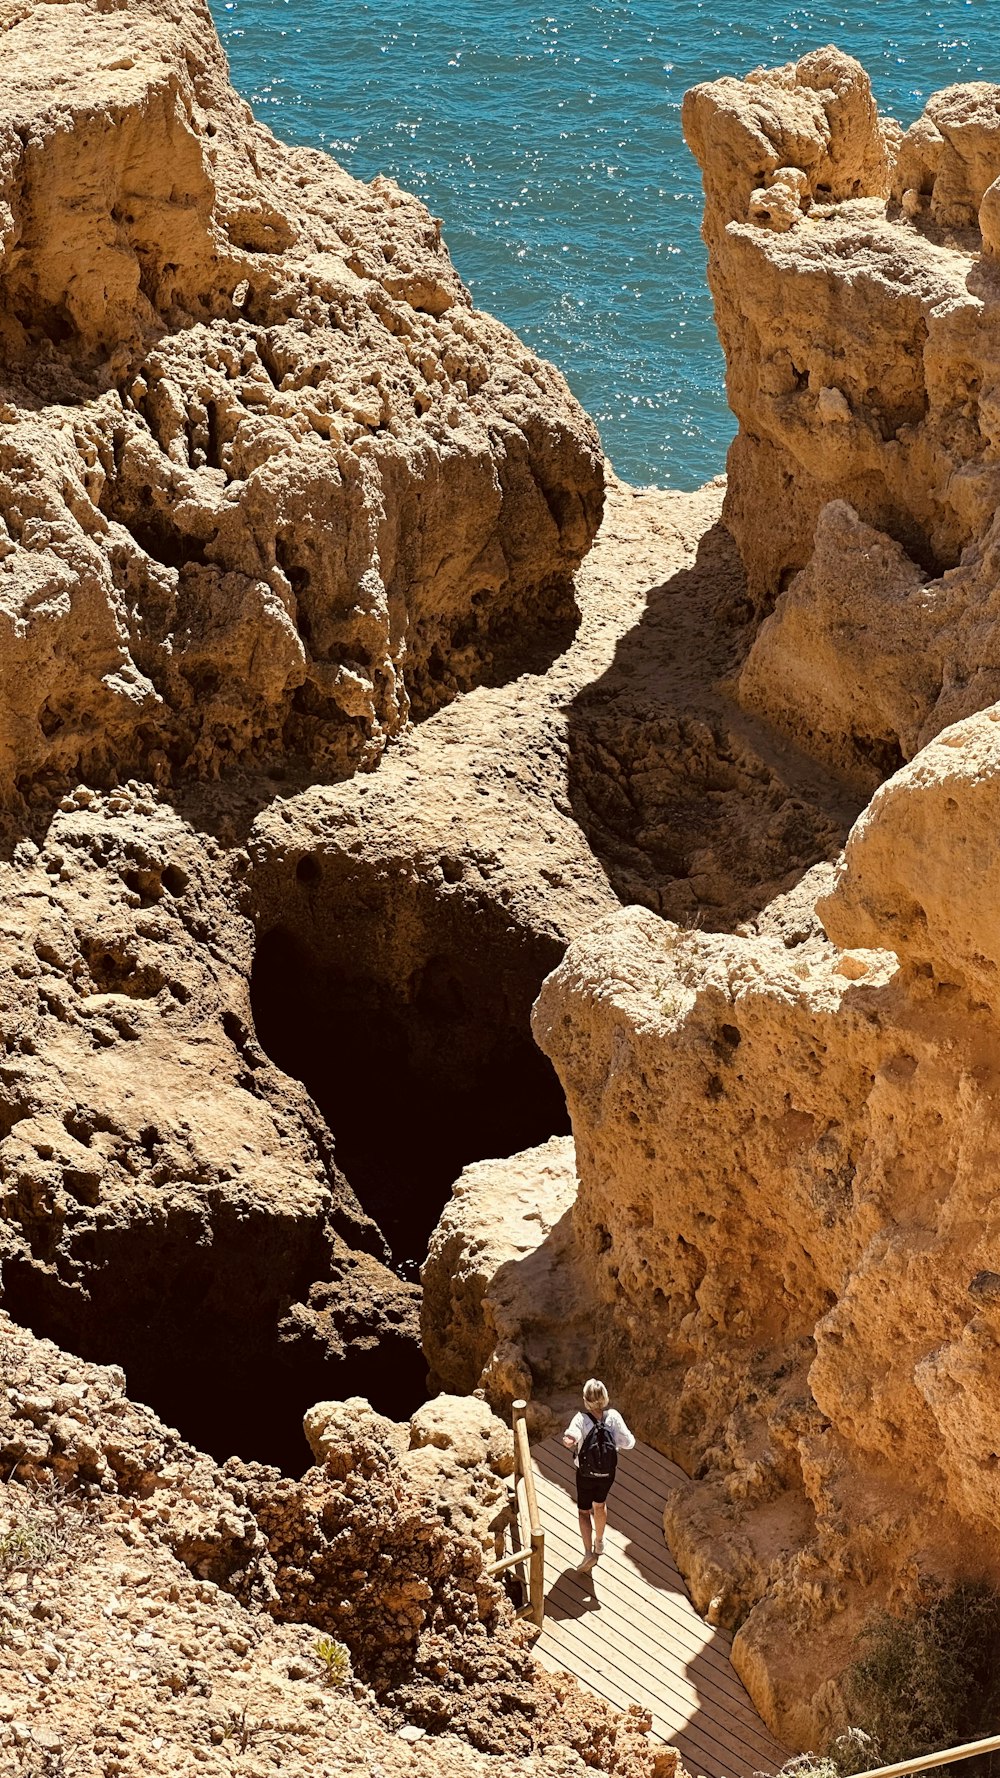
(548, 138)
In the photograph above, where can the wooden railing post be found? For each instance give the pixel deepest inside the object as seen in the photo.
(525, 1515)
(536, 1564)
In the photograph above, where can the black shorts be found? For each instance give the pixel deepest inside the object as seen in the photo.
(591, 1488)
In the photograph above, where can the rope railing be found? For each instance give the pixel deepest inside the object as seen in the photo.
(527, 1535)
(968, 1750)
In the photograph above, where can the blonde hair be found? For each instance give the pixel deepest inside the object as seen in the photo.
(594, 1394)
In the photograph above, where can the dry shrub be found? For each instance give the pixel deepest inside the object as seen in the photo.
(926, 1682)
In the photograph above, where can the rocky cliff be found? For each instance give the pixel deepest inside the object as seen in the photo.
(269, 483)
(323, 754)
(781, 1241)
(270, 490)
(782, 1246)
(272, 495)
(855, 284)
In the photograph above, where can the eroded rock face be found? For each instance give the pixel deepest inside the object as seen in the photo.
(455, 1450)
(270, 489)
(505, 1308)
(158, 1617)
(415, 911)
(786, 1227)
(856, 300)
(169, 1200)
(268, 484)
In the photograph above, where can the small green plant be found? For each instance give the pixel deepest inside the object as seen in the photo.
(44, 1520)
(670, 997)
(26, 1546)
(335, 1658)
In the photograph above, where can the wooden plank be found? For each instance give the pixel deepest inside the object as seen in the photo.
(690, 1639)
(619, 1607)
(689, 1636)
(642, 1641)
(647, 1534)
(652, 1566)
(657, 1573)
(685, 1678)
(698, 1755)
(629, 1494)
(654, 1546)
(684, 1728)
(673, 1688)
(700, 1751)
(646, 1498)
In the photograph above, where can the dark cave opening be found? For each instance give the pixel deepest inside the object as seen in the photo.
(416, 1078)
(408, 1021)
(198, 1318)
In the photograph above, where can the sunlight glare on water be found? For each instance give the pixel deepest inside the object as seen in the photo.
(548, 138)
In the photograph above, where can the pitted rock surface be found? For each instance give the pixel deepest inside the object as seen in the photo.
(155, 1618)
(269, 485)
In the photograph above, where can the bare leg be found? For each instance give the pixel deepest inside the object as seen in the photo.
(587, 1533)
(600, 1520)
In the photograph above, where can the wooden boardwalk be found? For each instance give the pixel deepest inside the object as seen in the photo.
(628, 1631)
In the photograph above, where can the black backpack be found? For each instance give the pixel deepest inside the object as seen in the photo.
(598, 1452)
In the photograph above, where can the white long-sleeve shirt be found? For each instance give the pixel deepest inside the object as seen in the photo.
(581, 1424)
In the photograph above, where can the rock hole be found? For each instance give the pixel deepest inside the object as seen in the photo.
(156, 534)
(49, 720)
(884, 754)
(78, 1125)
(195, 1319)
(308, 869)
(146, 884)
(417, 1070)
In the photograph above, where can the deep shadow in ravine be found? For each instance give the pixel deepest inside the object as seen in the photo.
(202, 1331)
(695, 807)
(415, 1079)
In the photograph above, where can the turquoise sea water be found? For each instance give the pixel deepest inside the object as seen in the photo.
(548, 138)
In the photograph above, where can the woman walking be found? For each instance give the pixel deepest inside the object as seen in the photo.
(596, 1436)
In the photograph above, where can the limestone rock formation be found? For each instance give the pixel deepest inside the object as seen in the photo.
(271, 491)
(856, 299)
(166, 1194)
(156, 1619)
(407, 919)
(786, 1229)
(503, 1307)
(921, 863)
(270, 488)
(455, 1451)
(268, 483)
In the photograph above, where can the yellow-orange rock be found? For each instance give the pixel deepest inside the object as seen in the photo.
(786, 1228)
(858, 313)
(269, 485)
